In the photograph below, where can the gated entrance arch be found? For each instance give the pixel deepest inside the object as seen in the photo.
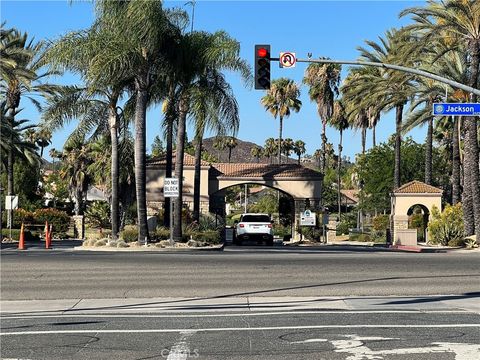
(303, 184)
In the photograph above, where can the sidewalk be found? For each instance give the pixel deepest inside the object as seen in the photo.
(466, 302)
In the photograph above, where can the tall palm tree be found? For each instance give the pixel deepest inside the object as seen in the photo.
(270, 148)
(392, 89)
(299, 149)
(214, 107)
(456, 23)
(323, 81)
(21, 77)
(141, 40)
(231, 143)
(340, 122)
(280, 100)
(199, 52)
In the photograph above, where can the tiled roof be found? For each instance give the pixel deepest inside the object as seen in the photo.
(350, 194)
(417, 187)
(188, 160)
(264, 171)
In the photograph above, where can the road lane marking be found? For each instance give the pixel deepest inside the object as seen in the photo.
(266, 328)
(181, 350)
(175, 315)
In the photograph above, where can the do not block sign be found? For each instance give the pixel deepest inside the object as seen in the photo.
(170, 187)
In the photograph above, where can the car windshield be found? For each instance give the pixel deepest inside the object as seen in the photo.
(256, 218)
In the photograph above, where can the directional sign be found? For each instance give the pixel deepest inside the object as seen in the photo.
(287, 59)
(456, 109)
(170, 187)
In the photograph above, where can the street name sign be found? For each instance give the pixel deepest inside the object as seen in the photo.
(287, 60)
(170, 187)
(308, 218)
(456, 109)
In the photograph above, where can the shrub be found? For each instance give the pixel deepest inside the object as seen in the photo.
(22, 216)
(210, 236)
(471, 242)
(129, 233)
(310, 233)
(101, 242)
(97, 214)
(457, 242)
(446, 226)
(59, 220)
(381, 222)
(364, 237)
(282, 231)
(121, 244)
(162, 233)
(29, 236)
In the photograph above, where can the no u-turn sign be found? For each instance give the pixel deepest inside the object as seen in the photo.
(287, 59)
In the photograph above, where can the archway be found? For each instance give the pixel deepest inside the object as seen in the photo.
(252, 197)
(418, 216)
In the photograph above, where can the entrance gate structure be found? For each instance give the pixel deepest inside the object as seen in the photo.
(403, 200)
(303, 184)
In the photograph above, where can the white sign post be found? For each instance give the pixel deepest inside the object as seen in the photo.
(11, 202)
(308, 218)
(170, 189)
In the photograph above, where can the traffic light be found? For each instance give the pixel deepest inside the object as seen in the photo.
(262, 67)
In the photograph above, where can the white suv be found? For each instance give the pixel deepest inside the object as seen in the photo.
(254, 227)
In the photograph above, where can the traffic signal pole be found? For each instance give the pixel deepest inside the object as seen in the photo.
(393, 67)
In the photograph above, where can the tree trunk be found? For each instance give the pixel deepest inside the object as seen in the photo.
(177, 224)
(170, 117)
(280, 140)
(140, 163)
(229, 154)
(324, 144)
(456, 190)
(374, 136)
(471, 158)
(339, 181)
(428, 152)
(114, 170)
(398, 144)
(10, 161)
(299, 159)
(364, 140)
(196, 180)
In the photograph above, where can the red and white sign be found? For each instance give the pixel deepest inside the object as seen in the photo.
(287, 59)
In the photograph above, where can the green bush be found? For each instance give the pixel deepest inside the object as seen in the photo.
(129, 233)
(381, 222)
(97, 214)
(59, 220)
(457, 242)
(310, 233)
(446, 226)
(364, 237)
(209, 236)
(162, 233)
(29, 236)
(280, 230)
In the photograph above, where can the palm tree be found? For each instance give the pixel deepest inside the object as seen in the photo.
(392, 89)
(20, 77)
(340, 122)
(214, 107)
(323, 81)
(231, 143)
(455, 23)
(43, 139)
(299, 149)
(256, 152)
(198, 52)
(270, 148)
(280, 100)
(287, 147)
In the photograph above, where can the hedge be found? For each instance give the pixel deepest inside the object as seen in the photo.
(29, 236)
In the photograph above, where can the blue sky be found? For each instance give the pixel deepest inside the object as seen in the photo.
(324, 28)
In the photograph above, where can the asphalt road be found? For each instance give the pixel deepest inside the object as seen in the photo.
(242, 303)
(310, 335)
(244, 271)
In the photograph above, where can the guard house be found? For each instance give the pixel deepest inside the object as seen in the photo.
(403, 201)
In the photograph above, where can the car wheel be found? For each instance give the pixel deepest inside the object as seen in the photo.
(270, 241)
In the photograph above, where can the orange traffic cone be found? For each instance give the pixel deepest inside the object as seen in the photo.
(21, 240)
(47, 236)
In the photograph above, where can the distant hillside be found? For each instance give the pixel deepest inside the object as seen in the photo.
(240, 154)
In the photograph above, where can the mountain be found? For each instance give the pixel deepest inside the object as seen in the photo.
(240, 154)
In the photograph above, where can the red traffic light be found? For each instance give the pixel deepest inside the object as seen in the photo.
(262, 52)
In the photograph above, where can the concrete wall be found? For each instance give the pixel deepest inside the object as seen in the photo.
(401, 203)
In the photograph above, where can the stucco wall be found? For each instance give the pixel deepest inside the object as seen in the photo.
(401, 203)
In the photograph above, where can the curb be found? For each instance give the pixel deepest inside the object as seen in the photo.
(148, 249)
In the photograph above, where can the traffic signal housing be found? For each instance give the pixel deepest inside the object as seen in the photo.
(262, 67)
